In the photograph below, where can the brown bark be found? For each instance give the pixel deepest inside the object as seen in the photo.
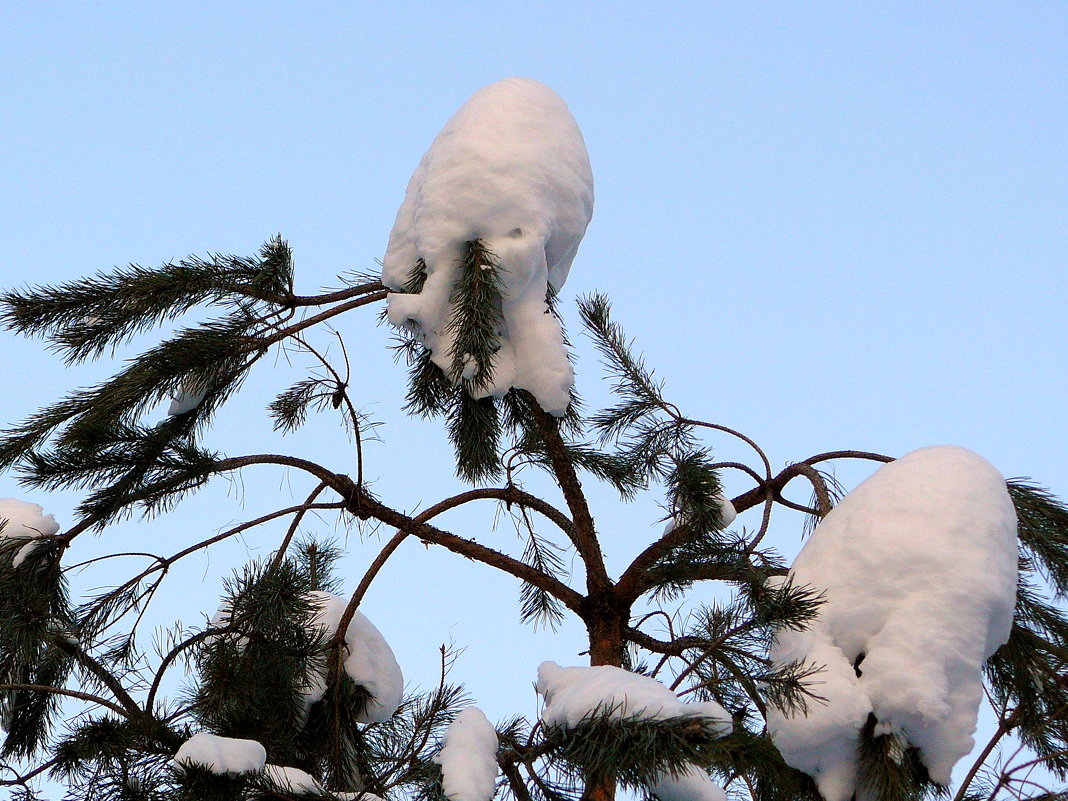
(605, 625)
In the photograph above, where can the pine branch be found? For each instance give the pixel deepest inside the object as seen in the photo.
(475, 321)
(641, 393)
(633, 751)
(84, 318)
(1043, 530)
(536, 605)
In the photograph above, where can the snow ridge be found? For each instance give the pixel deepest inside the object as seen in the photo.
(918, 565)
(509, 168)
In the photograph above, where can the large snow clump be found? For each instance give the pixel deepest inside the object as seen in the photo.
(25, 521)
(468, 757)
(574, 695)
(510, 168)
(370, 662)
(918, 566)
(221, 754)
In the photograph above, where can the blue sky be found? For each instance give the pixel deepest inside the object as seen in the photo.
(828, 225)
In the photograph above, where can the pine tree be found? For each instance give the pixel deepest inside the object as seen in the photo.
(81, 701)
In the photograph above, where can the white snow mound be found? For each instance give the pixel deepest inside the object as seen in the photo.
(575, 694)
(918, 565)
(292, 780)
(221, 754)
(692, 784)
(468, 757)
(187, 399)
(25, 521)
(509, 168)
(727, 515)
(370, 662)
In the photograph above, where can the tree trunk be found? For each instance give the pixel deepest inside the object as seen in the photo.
(606, 648)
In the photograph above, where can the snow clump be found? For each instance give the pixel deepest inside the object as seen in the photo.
(691, 784)
(187, 399)
(918, 565)
(575, 695)
(727, 515)
(370, 662)
(510, 168)
(25, 521)
(468, 757)
(221, 754)
(292, 780)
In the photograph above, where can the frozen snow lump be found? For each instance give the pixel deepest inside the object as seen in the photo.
(510, 169)
(20, 520)
(918, 566)
(574, 695)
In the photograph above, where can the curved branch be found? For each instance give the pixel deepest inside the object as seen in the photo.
(369, 506)
(173, 654)
(24, 778)
(339, 395)
(361, 503)
(819, 486)
(733, 433)
(508, 494)
(634, 580)
(93, 699)
(749, 499)
(292, 530)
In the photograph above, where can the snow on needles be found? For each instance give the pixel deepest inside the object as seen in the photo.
(25, 521)
(918, 565)
(574, 695)
(292, 780)
(509, 168)
(691, 784)
(221, 754)
(468, 757)
(369, 662)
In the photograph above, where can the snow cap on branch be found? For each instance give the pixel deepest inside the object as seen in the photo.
(187, 399)
(727, 515)
(691, 784)
(918, 565)
(468, 757)
(509, 169)
(25, 521)
(221, 754)
(369, 660)
(292, 780)
(575, 695)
